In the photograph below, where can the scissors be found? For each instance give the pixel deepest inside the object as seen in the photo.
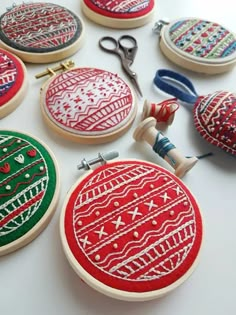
(125, 52)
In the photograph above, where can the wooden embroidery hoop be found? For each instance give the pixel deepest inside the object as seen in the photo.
(46, 218)
(100, 286)
(189, 62)
(16, 100)
(52, 56)
(84, 139)
(123, 23)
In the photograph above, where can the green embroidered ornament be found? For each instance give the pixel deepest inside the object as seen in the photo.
(29, 189)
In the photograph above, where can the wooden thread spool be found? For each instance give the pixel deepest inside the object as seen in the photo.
(162, 112)
(163, 147)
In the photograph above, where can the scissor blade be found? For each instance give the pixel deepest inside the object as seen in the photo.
(136, 85)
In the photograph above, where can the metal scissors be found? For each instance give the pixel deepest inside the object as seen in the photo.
(126, 53)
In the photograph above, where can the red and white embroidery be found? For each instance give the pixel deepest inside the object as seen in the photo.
(8, 73)
(33, 26)
(88, 101)
(215, 119)
(11, 77)
(122, 6)
(23, 190)
(133, 226)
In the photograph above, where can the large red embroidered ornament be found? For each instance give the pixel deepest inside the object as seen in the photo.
(131, 230)
(88, 105)
(119, 13)
(197, 44)
(41, 32)
(13, 82)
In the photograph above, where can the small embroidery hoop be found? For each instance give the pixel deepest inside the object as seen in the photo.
(48, 57)
(46, 218)
(115, 22)
(16, 100)
(84, 139)
(108, 290)
(185, 60)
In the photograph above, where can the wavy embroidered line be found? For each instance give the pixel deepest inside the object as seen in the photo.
(145, 238)
(20, 172)
(23, 183)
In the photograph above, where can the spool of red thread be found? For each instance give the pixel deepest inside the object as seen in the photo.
(162, 112)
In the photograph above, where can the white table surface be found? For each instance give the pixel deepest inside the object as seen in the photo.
(38, 279)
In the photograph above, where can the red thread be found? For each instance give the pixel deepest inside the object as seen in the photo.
(5, 168)
(9, 144)
(165, 111)
(102, 10)
(22, 183)
(217, 122)
(21, 209)
(19, 173)
(18, 81)
(31, 153)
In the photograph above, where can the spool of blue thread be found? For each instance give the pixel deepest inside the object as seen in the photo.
(163, 147)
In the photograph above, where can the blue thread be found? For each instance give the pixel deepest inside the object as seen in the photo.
(162, 146)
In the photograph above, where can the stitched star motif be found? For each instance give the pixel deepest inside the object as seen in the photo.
(66, 106)
(101, 232)
(85, 241)
(150, 205)
(177, 189)
(89, 94)
(134, 213)
(118, 222)
(77, 99)
(165, 197)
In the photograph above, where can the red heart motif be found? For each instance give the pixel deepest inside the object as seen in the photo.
(31, 153)
(197, 41)
(5, 168)
(204, 35)
(189, 49)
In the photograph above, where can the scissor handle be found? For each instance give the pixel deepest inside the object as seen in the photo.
(127, 38)
(104, 41)
(128, 50)
(120, 46)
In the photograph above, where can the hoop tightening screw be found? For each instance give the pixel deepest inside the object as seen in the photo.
(52, 71)
(102, 158)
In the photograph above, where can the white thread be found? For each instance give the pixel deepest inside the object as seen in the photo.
(144, 238)
(144, 220)
(135, 213)
(147, 249)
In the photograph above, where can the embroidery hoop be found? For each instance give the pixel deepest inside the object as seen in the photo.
(50, 56)
(120, 23)
(102, 137)
(16, 100)
(188, 61)
(107, 289)
(46, 218)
